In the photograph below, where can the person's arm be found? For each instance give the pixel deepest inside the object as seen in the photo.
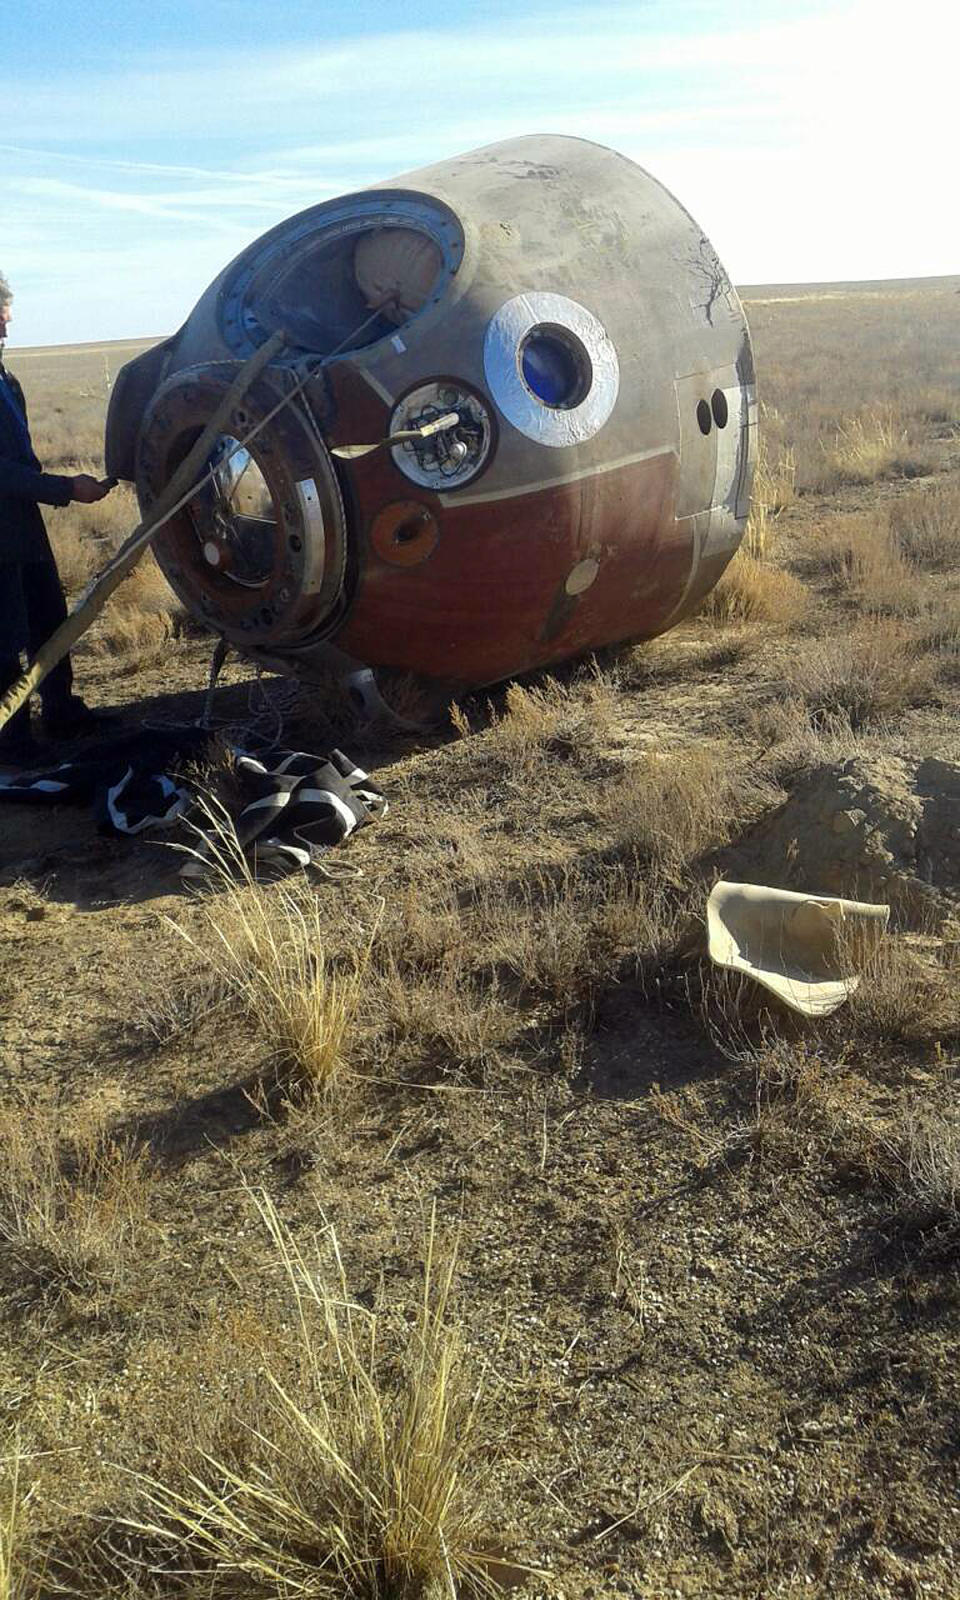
(22, 482)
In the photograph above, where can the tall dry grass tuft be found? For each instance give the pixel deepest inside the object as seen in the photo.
(909, 995)
(72, 1209)
(265, 944)
(793, 741)
(866, 447)
(11, 1586)
(882, 557)
(85, 537)
(140, 618)
(19, 1578)
(927, 1141)
(676, 807)
(552, 718)
(362, 1477)
(868, 675)
(865, 559)
(926, 526)
(913, 1154)
(774, 482)
(750, 591)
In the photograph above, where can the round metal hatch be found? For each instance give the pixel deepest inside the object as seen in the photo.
(259, 552)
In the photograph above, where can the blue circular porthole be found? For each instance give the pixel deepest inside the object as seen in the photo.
(551, 368)
(555, 367)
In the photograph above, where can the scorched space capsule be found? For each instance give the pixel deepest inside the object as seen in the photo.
(556, 301)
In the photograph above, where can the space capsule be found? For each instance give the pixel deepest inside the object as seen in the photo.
(559, 371)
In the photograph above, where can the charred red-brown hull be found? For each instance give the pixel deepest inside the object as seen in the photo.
(569, 312)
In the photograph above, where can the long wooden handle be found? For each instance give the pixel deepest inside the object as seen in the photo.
(179, 490)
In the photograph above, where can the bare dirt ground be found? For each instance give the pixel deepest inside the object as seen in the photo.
(705, 1253)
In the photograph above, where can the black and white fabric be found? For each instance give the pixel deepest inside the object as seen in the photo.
(298, 807)
(285, 809)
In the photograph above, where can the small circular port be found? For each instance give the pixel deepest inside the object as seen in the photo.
(404, 533)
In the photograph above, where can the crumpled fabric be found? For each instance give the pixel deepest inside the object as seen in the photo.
(285, 808)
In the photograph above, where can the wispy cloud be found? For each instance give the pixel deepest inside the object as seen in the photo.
(805, 143)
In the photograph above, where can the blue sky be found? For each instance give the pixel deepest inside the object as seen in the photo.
(143, 144)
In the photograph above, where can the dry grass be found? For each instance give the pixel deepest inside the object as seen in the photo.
(362, 1477)
(774, 482)
(909, 995)
(11, 1586)
(85, 537)
(265, 946)
(912, 1154)
(750, 591)
(866, 448)
(867, 676)
(450, 1023)
(461, 1000)
(674, 808)
(880, 559)
(927, 1142)
(866, 561)
(18, 1577)
(72, 1209)
(926, 527)
(560, 942)
(793, 740)
(825, 361)
(142, 616)
(541, 721)
(457, 980)
(534, 973)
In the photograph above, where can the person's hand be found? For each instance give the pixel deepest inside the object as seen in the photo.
(89, 490)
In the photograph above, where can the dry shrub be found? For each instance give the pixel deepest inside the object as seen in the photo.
(792, 744)
(870, 446)
(864, 557)
(451, 1022)
(907, 999)
(554, 718)
(675, 807)
(939, 637)
(880, 557)
(908, 995)
(361, 1476)
(926, 527)
(140, 616)
(72, 1210)
(129, 633)
(76, 557)
(926, 1140)
(420, 999)
(564, 941)
(750, 591)
(913, 1154)
(865, 676)
(265, 946)
(85, 537)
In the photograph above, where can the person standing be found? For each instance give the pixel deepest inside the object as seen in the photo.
(32, 606)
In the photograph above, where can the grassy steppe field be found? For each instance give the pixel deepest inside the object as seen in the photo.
(449, 1223)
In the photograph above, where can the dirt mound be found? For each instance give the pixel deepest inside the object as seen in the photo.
(876, 828)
